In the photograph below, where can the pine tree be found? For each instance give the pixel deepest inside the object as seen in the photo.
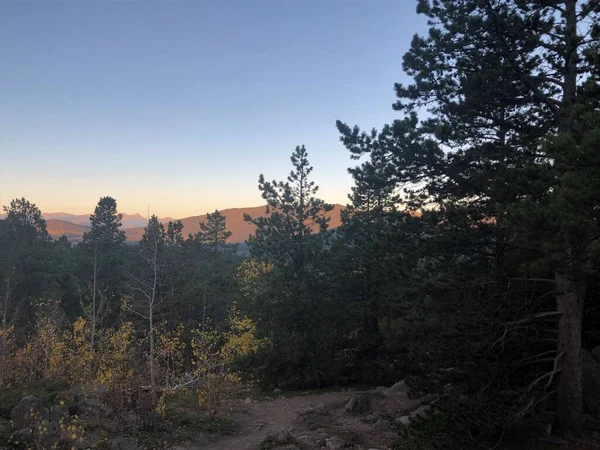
(102, 259)
(499, 79)
(213, 232)
(292, 239)
(150, 287)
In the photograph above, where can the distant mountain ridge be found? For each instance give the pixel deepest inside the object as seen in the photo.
(73, 226)
(128, 221)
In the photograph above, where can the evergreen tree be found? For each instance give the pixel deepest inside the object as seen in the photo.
(498, 79)
(291, 238)
(213, 232)
(101, 253)
(150, 289)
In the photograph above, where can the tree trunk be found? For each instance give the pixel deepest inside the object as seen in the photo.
(570, 290)
(569, 299)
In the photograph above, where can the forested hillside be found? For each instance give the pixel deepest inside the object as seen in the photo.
(466, 262)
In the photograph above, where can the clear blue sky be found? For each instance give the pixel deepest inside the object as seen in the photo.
(182, 104)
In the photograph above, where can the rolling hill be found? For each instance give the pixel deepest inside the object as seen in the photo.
(234, 218)
(128, 221)
(73, 226)
(73, 231)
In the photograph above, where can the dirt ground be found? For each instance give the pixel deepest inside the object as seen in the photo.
(310, 419)
(313, 419)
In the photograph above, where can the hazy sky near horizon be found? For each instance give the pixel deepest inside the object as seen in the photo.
(182, 104)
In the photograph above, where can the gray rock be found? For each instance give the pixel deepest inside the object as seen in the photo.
(383, 424)
(591, 383)
(358, 404)
(382, 390)
(404, 420)
(121, 443)
(248, 400)
(321, 433)
(21, 438)
(398, 387)
(58, 412)
(319, 408)
(307, 441)
(28, 412)
(421, 411)
(596, 353)
(334, 443)
(283, 438)
(276, 391)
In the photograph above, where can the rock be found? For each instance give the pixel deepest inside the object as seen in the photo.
(358, 404)
(28, 412)
(307, 441)
(400, 386)
(315, 417)
(92, 406)
(121, 443)
(321, 433)
(283, 438)
(404, 420)
(58, 412)
(370, 418)
(591, 383)
(21, 438)
(596, 353)
(382, 390)
(421, 411)
(247, 401)
(254, 401)
(276, 391)
(290, 447)
(319, 408)
(383, 424)
(334, 443)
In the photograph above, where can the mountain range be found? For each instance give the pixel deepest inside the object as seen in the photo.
(73, 226)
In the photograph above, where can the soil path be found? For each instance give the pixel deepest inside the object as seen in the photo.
(256, 421)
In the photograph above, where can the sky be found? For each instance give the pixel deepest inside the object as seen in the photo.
(180, 105)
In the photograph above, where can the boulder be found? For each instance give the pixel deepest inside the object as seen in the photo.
(596, 353)
(421, 411)
(590, 368)
(371, 418)
(404, 420)
(22, 438)
(28, 412)
(319, 408)
(58, 413)
(121, 443)
(382, 390)
(358, 404)
(315, 417)
(383, 424)
(334, 443)
(399, 387)
(307, 441)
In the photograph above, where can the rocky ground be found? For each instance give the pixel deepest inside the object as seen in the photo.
(350, 419)
(347, 419)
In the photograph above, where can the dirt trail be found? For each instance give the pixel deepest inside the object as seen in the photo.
(256, 421)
